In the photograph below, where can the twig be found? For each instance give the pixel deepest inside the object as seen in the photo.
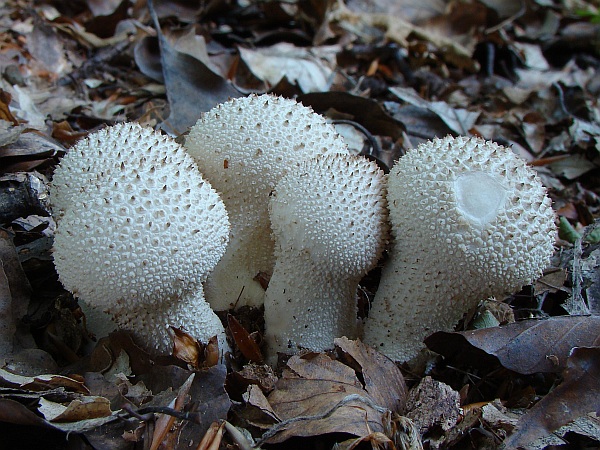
(148, 412)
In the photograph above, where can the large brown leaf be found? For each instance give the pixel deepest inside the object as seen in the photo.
(576, 396)
(527, 347)
(192, 87)
(318, 395)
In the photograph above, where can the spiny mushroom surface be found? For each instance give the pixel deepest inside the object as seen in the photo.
(470, 220)
(243, 147)
(138, 230)
(329, 220)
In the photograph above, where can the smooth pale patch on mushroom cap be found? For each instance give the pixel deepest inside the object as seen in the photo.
(243, 147)
(470, 220)
(329, 220)
(136, 224)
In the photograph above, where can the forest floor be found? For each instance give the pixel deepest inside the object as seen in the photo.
(393, 74)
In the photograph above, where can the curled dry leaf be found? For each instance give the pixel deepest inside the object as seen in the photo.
(526, 347)
(185, 347)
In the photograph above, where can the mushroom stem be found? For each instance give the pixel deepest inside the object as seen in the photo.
(152, 325)
(307, 307)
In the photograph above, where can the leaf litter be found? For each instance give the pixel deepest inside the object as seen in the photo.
(392, 73)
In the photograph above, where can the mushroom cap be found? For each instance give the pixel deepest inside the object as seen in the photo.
(475, 203)
(243, 147)
(329, 221)
(136, 221)
(332, 208)
(470, 220)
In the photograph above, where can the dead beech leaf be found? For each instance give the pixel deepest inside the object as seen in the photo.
(192, 87)
(207, 400)
(5, 113)
(378, 372)
(41, 382)
(458, 120)
(310, 68)
(244, 341)
(576, 396)
(9, 133)
(88, 407)
(527, 346)
(185, 347)
(12, 411)
(318, 395)
(365, 111)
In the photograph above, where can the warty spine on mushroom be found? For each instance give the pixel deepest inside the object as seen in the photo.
(470, 220)
(138, 231)
(243, 147)
(329, 220)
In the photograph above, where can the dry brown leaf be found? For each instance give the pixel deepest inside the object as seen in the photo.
(5, 114)
(526, 347)
(88, 407)
(41, 382)
(318, 395)
(192, 86)
(186, 347)
(244, 341)
(310, 68)
(458, 120)
(576, 396)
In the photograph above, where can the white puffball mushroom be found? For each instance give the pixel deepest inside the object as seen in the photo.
(243, 147)
(138, 231)
(329, 220)
(470, 220)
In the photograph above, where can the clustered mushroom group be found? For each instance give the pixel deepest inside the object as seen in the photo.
(143, 229)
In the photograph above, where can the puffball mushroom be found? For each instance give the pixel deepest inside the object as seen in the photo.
(243, 147)
(138, 230)
(470, 220)
(329, 220)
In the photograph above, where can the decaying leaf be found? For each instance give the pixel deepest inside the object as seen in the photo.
(192, 87)
(317, 394)
(458, 120)
(89, 407)
(311, 69)
(186, 347)
(528, 346)
(165, 422)
(244, 341)
(41, 382)
(433, 404)
(365, 111)
(576, 396)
